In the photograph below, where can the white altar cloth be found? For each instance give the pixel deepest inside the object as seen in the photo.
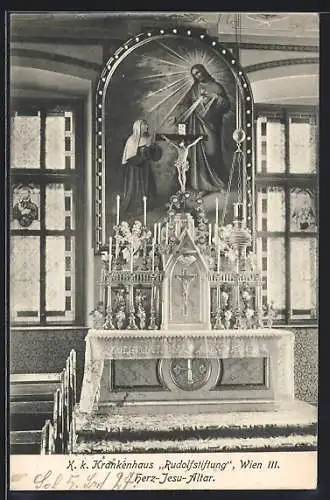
(277, 345)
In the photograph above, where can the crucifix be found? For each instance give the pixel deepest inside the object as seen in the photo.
(182, 142)
(186, 280)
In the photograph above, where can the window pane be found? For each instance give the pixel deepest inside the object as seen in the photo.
(60, 275)
(270, 145)
(25, 278)
(60, 141)
(271, 256)
(25, 207)
(25, 142)
(302, 146)
(302, 207)
(303, 277)
(59, 207)
(270, 209)
(55, 142)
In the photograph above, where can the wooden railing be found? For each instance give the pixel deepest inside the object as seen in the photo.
(58, 434)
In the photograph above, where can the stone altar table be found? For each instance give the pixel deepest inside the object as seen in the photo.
(277, 346)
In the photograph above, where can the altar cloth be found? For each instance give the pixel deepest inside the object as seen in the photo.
(101, 345)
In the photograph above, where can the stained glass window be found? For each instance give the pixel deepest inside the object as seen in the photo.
(286, 209)
(25, 210)
(303, 277)
(25, 141)
(270, 147)
(302, 210)
(302, 145)
(25, 278)
(271, 209)
(43, 216)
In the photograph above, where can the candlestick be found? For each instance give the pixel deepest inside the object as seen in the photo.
(215, 234)
(118, 209)
(159, 229)
(210, 234)
(166, 234)
(110, 253)
(217, 212)
(144, 211)
(155, 233)
(131, 257)
(153, 255)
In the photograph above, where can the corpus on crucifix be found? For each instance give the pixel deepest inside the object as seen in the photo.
(186, 280)
(182, 143)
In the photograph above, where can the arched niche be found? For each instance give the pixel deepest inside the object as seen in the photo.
(149, 78)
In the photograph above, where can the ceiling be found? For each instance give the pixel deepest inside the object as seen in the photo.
(281, 28)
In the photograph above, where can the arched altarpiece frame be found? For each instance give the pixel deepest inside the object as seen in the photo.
(129, 79)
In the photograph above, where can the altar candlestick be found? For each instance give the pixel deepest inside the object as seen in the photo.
(218, 266)
(155, 233)
(153, 255)
(217, 212)
(144, 211)
(118, 209)
(215, 234)
(131, 257)
(210, 234)
(159, 229)
(110, 253)
(236, 210)
(166, 234)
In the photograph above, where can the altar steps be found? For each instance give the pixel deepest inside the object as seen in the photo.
(198, 429)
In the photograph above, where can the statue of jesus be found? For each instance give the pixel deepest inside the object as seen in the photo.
(182, 163)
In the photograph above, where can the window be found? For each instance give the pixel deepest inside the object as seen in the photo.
(46, 214)
(287, 192)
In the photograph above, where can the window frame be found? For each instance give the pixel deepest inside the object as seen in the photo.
(43, 177)
(287, 180)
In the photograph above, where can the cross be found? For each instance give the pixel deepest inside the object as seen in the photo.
(186, 279)
(182, 142)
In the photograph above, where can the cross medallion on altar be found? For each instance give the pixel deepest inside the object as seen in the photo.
(186, 280)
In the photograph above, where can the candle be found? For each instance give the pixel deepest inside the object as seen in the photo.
(218, 266)
(118, 208)
(166, 234)
(215, 234)
(132, 257)
(236, 210)
(217, 212)
(144, 210)
(155, 233)
(210, 234)
(153, 255)
(110, 253)
(159, 229)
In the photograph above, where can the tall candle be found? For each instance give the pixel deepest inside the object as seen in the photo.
(217, 212)
(218, 266)
(210, 234)
(110, 252)
(118, 209)
(153, 254)
(236, 210)
(159, 229)
(155, 233)
(166, 234)
(131, 257)
(144, 210)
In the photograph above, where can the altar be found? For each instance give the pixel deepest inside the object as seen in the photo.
(275, 346)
